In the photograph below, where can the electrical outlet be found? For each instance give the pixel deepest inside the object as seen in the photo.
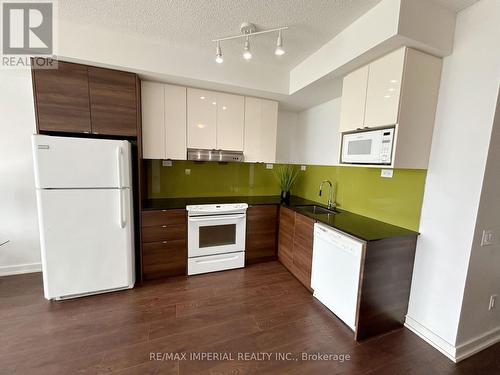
(488, 238)
(302, 167)
(493, 300)
(269, 166)
(187, 172)
(166, 163)
(387, 173)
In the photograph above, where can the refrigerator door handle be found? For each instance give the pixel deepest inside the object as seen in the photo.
(119, 154)
(122, 219)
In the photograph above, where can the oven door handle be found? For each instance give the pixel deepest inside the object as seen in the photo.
(216, 218)
(207, 261)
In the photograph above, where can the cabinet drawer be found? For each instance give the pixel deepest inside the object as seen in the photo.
(163, 217)
(164, 259)
(164, 233)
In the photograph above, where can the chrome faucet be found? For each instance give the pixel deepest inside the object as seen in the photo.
(331, 203)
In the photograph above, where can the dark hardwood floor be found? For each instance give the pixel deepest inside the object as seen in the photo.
(261, 308)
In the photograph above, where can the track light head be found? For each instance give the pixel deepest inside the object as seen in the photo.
(247, 55)
(279, 51)
(218, 54)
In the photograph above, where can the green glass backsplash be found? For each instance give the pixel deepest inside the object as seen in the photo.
(209, 179)
(396, 200)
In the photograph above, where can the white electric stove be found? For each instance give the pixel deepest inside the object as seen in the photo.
(216, 237)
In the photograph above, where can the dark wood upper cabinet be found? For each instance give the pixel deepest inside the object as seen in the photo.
(113, 102)
(62, 98)
(76, 98)
(261, 233)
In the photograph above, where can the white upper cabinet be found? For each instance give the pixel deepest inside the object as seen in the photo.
(163, 121)
(201, 119)
(352, 112)
(153, 127)
(384, 88)
(175, 118)
(261, 124)
(230, 121)
(401, 91)
(175, 122)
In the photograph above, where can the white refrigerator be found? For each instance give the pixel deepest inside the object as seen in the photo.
(84, 196)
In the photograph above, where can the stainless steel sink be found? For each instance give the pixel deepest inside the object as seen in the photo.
(316, 210)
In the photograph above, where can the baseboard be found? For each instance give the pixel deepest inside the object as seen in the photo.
(455, 353)
(20, 268)
(477, 344)
(431, 338)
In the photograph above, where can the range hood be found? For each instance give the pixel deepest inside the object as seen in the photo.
(214, 155)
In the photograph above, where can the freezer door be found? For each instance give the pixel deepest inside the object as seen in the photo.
(66, 162)
(86, 240)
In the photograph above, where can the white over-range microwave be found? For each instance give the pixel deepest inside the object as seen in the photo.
(371, 146)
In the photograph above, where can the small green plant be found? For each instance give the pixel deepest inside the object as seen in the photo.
(286, 176)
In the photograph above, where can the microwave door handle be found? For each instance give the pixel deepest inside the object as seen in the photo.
(215, 218)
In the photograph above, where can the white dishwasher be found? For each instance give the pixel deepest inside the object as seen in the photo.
(336, 271)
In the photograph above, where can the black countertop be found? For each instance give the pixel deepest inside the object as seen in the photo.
(356, 225)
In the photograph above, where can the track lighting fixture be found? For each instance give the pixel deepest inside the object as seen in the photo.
(279, 51)
(247, 55)
(218, 54)
(247, 30)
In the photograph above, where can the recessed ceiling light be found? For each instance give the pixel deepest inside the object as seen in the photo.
(201, 126)
(202, 97)
(393, 81)
(214, 103)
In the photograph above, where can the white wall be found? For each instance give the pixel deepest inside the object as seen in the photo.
(18, 214)
(318, 134)
(310, 136)
(286, 136)
(483, 278)
(464, 119)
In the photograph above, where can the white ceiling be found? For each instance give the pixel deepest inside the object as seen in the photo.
(194, 23)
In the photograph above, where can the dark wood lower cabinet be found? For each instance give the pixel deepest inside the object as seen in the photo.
(385, 285)
(164, 258)
(261, 233)
(285, 237)
(295, 245)
(164, 243)
(303, 249)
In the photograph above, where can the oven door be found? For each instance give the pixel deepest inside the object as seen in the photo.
(362, 148)
(209, 235)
